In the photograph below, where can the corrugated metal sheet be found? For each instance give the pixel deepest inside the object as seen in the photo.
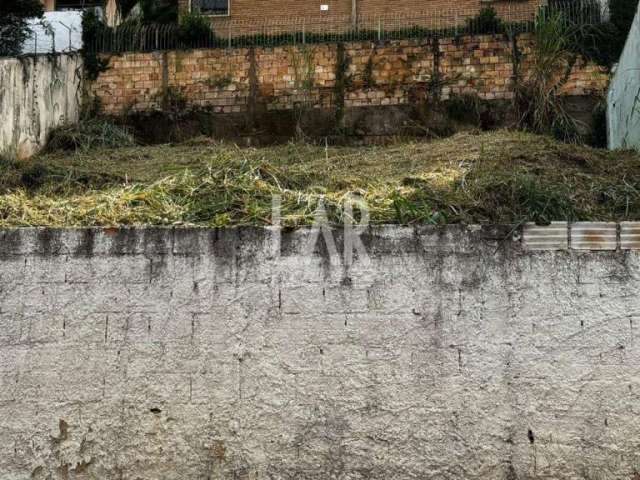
(594, 236)
(630, 235)
(549, 237)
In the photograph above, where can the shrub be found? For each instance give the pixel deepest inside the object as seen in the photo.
(487, 21)
(92, 26)
(598, 43)
(540, 107)
(96, 133)
(595, 40)
(159, 11)
(195, 29)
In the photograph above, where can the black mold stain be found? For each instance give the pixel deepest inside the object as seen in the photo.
(10, 241)
(222, 244)
(124, 241)
(157, 266)
(86, 244)
(157, 241)
(49, 242)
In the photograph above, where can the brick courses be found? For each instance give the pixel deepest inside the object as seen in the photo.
(219, 79)
(340, 12)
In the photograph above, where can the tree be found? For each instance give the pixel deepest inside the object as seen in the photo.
(160, 11)
(153, 11)
(14, 28)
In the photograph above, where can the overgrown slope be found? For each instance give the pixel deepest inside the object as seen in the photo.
(497, 177)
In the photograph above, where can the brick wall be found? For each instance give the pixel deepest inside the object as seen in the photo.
(340, 13)
(228, 81)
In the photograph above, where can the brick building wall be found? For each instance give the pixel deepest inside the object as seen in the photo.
(228, 81)
(248, 16)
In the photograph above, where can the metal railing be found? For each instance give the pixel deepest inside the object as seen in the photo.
(50, 36)
(225, 33)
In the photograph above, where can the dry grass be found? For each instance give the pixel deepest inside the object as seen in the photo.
(498, 177)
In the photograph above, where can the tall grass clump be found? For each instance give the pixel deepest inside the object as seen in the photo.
(538, 94)
(90, 134)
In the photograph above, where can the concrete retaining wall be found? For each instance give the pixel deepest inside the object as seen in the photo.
(223, 354)
(37, 94)
(623, 112)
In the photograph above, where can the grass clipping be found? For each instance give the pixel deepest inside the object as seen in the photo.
(497, 177)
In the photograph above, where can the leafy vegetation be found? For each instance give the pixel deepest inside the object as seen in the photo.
(590, 35)
(541, 107)
(195, 30)
(152, 11)
(90, 134)
(14, 29)
(497, 177)
(92, 24)
(487, 21)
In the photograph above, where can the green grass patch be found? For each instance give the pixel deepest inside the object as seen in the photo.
(494, 177)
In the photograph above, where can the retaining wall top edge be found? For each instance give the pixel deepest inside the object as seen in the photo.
(93, 241)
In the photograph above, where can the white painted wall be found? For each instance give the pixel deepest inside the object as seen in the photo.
(37, 94)
(623, 109)
(201, 354)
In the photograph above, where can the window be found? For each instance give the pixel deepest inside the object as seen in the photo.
(210, 7)
(77, 4)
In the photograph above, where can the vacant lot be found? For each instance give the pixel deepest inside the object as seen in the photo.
(497, 177)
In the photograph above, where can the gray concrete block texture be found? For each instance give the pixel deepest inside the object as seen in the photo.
(214, 354)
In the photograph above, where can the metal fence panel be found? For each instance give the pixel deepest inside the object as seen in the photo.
(512, 18)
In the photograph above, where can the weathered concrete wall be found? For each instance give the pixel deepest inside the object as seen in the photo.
(202, 354)
(37, 94)
(623, 112)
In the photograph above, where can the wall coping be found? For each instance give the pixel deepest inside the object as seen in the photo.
(195, 241)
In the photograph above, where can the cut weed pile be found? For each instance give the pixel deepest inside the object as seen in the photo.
(497, 177)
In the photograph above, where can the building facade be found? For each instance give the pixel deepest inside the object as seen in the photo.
(61, 5)
(248, 16)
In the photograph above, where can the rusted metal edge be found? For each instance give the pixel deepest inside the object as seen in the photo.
(593, 236)
(582, 236)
